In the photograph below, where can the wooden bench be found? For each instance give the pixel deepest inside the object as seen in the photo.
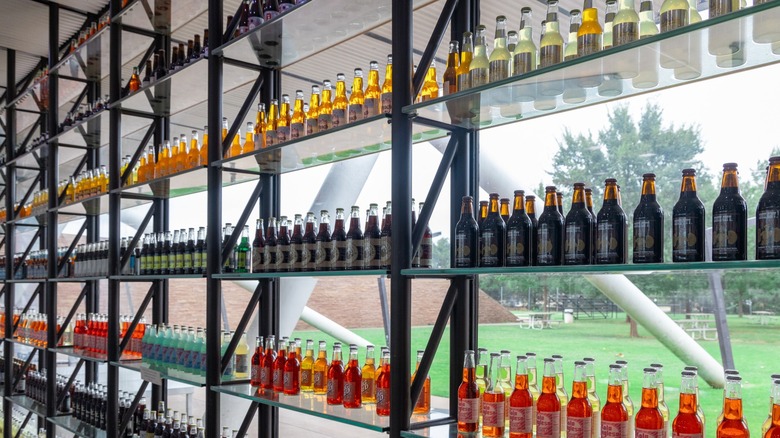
(703, 333)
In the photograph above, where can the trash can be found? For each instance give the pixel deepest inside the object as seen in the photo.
(568, 316)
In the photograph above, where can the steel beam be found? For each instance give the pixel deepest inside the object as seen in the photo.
(137, 237)
(136, 319)
(242, 112)
(72, 246)
(241, 327)
(10, 247)
(133, 406)
(137, 154)
(248, 419)
(71, 313)
(433, 45)
(243, 218)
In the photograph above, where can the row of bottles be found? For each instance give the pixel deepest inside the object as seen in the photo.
(86, 34)
(35, 389)
(90, 335)
(487, 401)
(19, 426)
(169, 253)
(35, 266)
(585, 237)
(179, 350)
(161, 65)
(168, 159)
(165, 423)
(85, 109)
(33, 326)
(256, 12)
(18, 365)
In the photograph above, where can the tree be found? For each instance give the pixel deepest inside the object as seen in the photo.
(441, 253)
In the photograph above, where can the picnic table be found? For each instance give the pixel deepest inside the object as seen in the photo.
(538, 320)
(699, 326)
(764, 317)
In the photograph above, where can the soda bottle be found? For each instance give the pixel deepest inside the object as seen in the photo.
(258, 264)
(352, 395)
(423, 404)
(373, 239)
(340, 102)
(312, 122)
(356, 98)
(309, 251)
(518, 234)
(493, 402)
(548, 407)
(383, 387)
(492, 237)
(481, 375)
(611, 228)
(533, 384)
(549, 232)
(648, 225)
(662, 406)
(335, 394)
(729, 219)
(579, 410)
(504, 383)
(773, 429)
(307, 368)
(468, 396)
(466, 236)
(734, 424)
(688, 222)
(322, 258)
(593, 397)
(521, 403)
(768, 215)
(578, 229)
(320, 370)
(368, 377)
(372, 98)
(387, 87)
(267, 367)
(687, 423)
(614, 417)
(339, 247)
(277, 378)
(296, 244)
(649, 422)
(767, 424)
(355, 241)
(560, 390)
(627, 402)
(292, 372)
(257, 361)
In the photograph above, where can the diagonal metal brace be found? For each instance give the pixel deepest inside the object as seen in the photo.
(27, 306)
(72, 313)
(71, 379)
(248, 102)
(72, 246)
(137, 155)
(250, 415)
(138, 315)
(133, 407)
(250, 206)
(134, 242)
(250, 309)
(433, 44)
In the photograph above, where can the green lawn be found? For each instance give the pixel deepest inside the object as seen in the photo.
(754, 349)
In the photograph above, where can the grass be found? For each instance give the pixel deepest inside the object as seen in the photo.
(607, 341)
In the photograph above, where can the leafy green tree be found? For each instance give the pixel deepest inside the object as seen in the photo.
(441, 253)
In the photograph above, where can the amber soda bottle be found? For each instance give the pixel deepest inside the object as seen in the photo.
(579, 410)
(368, 377)
(648, 225)
(578, 230)
(734, 424)
(774, 429)
(352, 395)
(767, 424)
(466, 236)
(468, 396)
(521, 403)
(649, 422)
(518, 234)
(548, 407)
(687, 423)
(729, 219)
(493, 402)
(611, 228)
(423, 404)
(383, 386)
(614, 417)
(307, 368)
(335, 394)
(768, 215)
(688, 222)
(492, 236)
(320, 370)
(549, 232)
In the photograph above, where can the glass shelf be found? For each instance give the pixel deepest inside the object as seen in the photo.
(85, 355)
(649, 268)
(316, 405)
(165, 372)
(96, 205)
(442, 431)
(29, 404)
(259, 275)
(619, 72)
(34, 90)
(156, 277)
(76, 279)
(85, 61)
(26, 280)
(363, 137)
(78, 427)
(23, 344)
(30, 158)
(184, 183)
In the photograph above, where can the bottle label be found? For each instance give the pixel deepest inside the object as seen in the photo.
(387, 102)
(548, 424)
(270, 15)
(478, 76)
(685, 238)
(515, 247)
(332, 392)
(271, 138)
(297, 130)
(351, 393)
(523, 63)
(255, 21)
(674, 19)
(338, 117)
(468, 410)
(242, 364)
(383, 400)
(488, 248)
(724, 235)
(550, 54)
(463, 251)
(386, 250)
(278, 378)
(426, 252)
(578, 427)
(187, 262)
(624, 33)
(288, 381)
(373, 252)
(306, 378)
(607, 242)
(282, 134)
(324, 122)
(575, 249)
(339, 254)
(588, 44)
(282, 257)
(370, 107)
(295, 256)
(322, 258)
(614, 429)
(546, 249)
(493, 414)
(464, 81)
(649, 433)
(768, 233)
(499, 69)
(355, 253)
(306, 255)
(367, 388)
(320, 380)
(258, 259)
(355, 112)
(269, 258)
(265, 376)
(687, 435)
(644, 240)
(255, 373)
(521, 420)
(312, 126)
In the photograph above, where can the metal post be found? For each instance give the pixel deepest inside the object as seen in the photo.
(10, 237)
(214, 205)
(401, 158)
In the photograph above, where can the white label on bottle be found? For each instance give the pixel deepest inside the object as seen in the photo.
(468, 410)
(548, 424)
(521, 419)
(649, 433)
(578, 427)
(493, 414)
(614, 429)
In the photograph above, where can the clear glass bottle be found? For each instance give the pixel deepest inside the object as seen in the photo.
(479, 67)
(500, 57)
(649, 59)
(525, 56)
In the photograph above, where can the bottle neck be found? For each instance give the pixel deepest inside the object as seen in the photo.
(688, 185)
(648, 190)
(578, 197)
(730, 181)
(519, 203)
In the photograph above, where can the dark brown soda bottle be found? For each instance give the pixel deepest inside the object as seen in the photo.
(483, 212)
(322, 259)
(387, 241)
(549, 232)
(559, 199)
(338, 253)
(269, 250)
(309, 253)
(648, 225)
(296, 244)
(492, 237)
(355, 240)
(466, 236)
(373, 239)
(688, 222)
(589, 205)
(530, 210)
(578, 230)
(768, 215)
(425, 253)
(519, 230)
(729, 219)
(611, 228)
(504, 202)
(283, 246)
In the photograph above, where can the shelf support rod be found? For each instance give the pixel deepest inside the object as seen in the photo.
(72, 245)
(433, 344)
(137, 154)
(134, 242)
(245, 318)
(29, 135)
(27, 306)
(231, 27)
(433, 43)
(71, 379)
(27, 194)
(133, 406)
(433, 192)
(72, 312)
(248, 102)
(27, 250)
(250, 414)
(140, 313)
(24, 424)
(243, 218)
(24, 367)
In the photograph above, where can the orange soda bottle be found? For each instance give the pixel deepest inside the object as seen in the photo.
(614, 417)
(579, 410)
(468, 396)
(352, 397)
(687, 423)
(649, 422)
